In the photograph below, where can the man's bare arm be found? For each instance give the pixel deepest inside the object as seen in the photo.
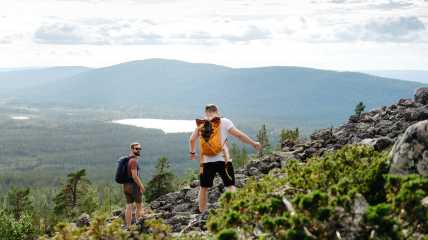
(137, 179)
(192, 144)
(244, 138)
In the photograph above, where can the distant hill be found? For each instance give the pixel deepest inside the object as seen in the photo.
(409, 75)
(297, 95)
(20, 79)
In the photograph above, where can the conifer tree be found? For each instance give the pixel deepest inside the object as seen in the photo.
(263, 139)
(235, 154)
(289, 134)
(73, 196)
(359, 108)
(19, 202)
(244, 156)
(162, 182)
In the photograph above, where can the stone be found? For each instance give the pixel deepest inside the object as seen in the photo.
(181, 219)
(354, 118)
(213, 195)
(192, 195)
(416, 114)
(184, 207)
(194, 183)
(253, 171)
(421, 95)
(406, 102)
(360, 205)
(378, 144)
(240, 180)
(424, 202)
(288, 143)
(117, 213)
(264, 167)
(84, 220)
(422, 165)
(284, 157)
(326, 135)
(156, 204)
(410, 152)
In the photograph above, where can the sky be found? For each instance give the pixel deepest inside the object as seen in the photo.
(327, 34)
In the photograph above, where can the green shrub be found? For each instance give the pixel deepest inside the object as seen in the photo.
(13, 229)
(381, 219)
(228, 234)
(317, 189)
(405, 193)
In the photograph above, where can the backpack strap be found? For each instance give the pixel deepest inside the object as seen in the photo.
(226, 159)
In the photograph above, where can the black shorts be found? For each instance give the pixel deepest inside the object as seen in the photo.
(206, 179)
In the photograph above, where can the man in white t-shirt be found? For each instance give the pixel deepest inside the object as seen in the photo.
(216, 164)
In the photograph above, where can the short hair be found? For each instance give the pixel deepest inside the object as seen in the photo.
(211, 108)
(133, 145)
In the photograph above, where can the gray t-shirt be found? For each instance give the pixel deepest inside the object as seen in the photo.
(225, 125)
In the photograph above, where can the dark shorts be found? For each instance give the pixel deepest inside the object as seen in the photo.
(132, 193)
(206, 179)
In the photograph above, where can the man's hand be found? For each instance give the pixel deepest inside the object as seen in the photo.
(257, 146)
(142, 189)
(192, 156)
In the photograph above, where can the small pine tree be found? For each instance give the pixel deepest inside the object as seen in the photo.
(188, 177)
(263, 139)
(359, 108)
(235, 154)
(162, 182)
(239, 155)
(73, 195)
(244, 157)
(289, 134)
(19, 202)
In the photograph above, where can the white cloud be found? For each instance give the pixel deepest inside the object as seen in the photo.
(98, 32)
(111, 31)
(408, 29)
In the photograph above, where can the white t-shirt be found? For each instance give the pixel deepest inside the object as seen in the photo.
(225, 125)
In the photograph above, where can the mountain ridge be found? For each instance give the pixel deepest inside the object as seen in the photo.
(180, 88)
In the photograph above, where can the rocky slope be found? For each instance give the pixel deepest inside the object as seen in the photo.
(379, 128)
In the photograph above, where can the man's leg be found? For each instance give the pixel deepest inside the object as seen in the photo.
(128, 214)
(227, 174)
(203, 197)
(206, 179)
(138, 196)
(139, 213)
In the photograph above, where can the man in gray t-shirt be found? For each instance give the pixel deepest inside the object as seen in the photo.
(216, 164)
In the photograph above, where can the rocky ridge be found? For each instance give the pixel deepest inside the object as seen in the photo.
(379, 128)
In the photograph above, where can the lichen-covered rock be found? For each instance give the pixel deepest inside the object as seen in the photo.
(421, 96)
(410, 152)
(406, 102)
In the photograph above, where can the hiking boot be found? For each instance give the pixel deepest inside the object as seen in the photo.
(199, 218)
(124, 227)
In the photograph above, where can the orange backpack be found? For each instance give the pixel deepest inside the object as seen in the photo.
(209, 136)
(210, 140)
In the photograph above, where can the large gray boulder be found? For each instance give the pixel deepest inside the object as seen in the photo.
(421, 95)
(410, 152)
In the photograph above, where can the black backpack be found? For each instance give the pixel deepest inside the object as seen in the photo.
(122, 175)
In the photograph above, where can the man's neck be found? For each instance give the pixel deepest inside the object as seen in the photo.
(215, 116)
